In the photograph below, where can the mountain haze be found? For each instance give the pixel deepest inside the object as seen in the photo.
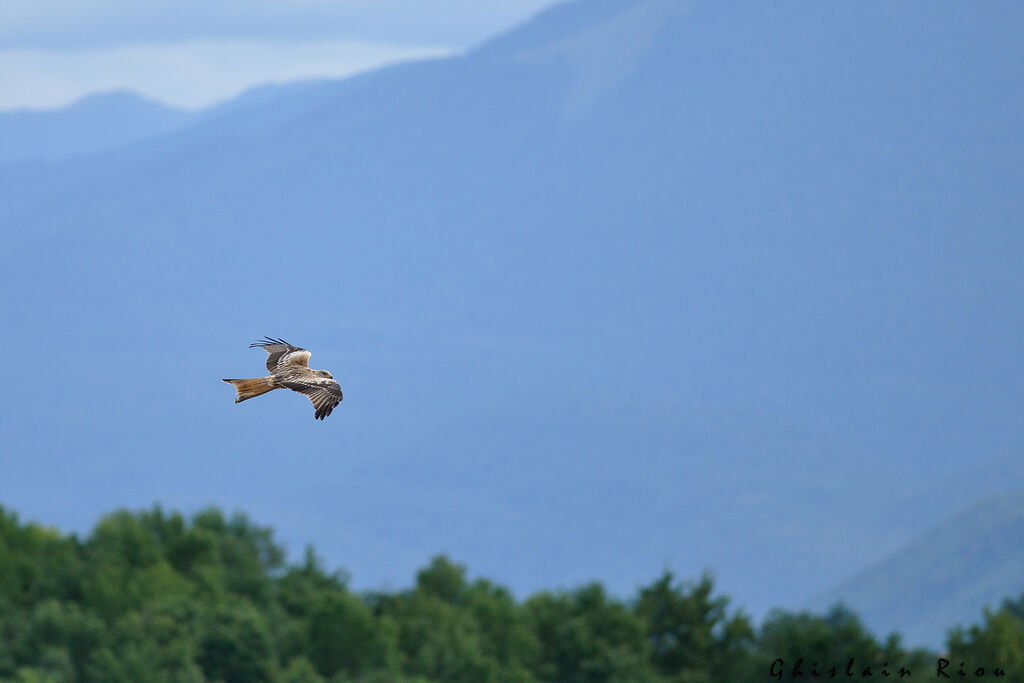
(639, 283)
(927, 587)
(91, 124)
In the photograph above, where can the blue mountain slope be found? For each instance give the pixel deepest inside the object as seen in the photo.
(89, 125)
(943, 578)
(715, 302)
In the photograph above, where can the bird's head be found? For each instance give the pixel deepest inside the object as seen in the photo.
(324, 373)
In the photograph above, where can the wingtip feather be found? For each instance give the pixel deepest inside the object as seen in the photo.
(267, 341)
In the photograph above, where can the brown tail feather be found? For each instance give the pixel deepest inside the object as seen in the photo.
(247, 388)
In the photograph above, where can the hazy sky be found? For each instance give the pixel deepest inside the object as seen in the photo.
(191, 53)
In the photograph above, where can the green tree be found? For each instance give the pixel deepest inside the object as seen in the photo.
(448, 629)
(585, 637)
(793, 646)
(125, 567)
(438, 641)
(37, 563)
(345, 637)
(235, 644)
(692, 636)
(246, 555)
(64, 626)
(505, 633)
(53, 665)
(1014, 607)
(301, 670)
(997, 642)
(155, 644)
(298, 593)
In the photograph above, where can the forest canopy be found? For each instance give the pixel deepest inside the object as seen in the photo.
(158, 596)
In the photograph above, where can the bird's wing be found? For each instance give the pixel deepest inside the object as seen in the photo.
(323, 393)
(281, 355)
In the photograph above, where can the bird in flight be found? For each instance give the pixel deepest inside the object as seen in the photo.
(289, 369)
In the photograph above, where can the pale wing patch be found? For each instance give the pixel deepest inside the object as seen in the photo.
(298, 357)
(325, 394)
(281, 354)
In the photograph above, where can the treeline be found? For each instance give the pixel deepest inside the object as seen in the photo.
(154, 596)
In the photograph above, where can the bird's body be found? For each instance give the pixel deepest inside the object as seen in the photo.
(289, 369)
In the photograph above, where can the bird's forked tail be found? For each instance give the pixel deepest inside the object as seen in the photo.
(247, 388)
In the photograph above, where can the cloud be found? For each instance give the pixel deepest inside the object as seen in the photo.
(195, 52)
(191, 74)
(75, 24)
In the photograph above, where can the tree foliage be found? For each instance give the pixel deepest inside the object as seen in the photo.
(998, 641)
(156, 596)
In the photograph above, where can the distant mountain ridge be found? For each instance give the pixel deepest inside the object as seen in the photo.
(719, 310)
(944, 577)
(91, 124)
(108, 121)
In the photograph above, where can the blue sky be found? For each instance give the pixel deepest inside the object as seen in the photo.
(733, 287)
(192, 54)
